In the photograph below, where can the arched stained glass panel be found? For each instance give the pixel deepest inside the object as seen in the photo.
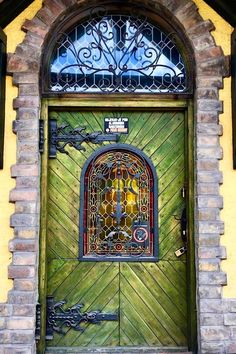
(118, 211)
(117, 53)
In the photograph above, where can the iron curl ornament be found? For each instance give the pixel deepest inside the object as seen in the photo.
(60, 319)
(64, 135)
(116, 53)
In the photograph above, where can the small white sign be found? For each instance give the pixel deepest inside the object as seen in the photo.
(116, 125)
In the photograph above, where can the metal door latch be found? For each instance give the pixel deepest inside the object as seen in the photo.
(181, 251)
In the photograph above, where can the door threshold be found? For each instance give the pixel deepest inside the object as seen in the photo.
(118, 350)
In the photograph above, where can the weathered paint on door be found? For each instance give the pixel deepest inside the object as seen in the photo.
(150, 297)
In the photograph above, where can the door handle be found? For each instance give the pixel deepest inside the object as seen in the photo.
(183, 223)
(183, 226)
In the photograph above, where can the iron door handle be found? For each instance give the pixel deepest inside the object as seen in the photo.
(183, 224)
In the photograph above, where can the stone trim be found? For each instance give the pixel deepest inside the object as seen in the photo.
(216, 317)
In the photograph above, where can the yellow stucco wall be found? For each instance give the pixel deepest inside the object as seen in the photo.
(14, 37)
(222, 35)
(6, 183)
(228, 190)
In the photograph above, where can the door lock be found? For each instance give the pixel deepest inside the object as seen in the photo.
(181, 251)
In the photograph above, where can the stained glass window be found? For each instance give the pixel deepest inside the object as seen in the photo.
(117, 53)
(119, 211)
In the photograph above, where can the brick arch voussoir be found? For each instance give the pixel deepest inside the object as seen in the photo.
(24, 65)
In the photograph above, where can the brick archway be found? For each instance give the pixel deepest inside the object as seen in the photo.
(24, 65)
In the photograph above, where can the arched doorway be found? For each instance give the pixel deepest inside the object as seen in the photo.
(210, 67)
(127, 263)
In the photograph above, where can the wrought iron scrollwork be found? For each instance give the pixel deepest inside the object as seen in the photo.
(117, 53)
(61, 136)
(59, 318)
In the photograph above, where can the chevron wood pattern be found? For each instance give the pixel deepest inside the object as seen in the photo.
(150, 297)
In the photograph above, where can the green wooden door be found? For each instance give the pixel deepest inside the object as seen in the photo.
(150, 297)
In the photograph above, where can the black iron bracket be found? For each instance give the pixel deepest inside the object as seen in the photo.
(59, 318)
(61, 136)
(183, 225)
(41, 135)
(183, 222)
(38, 322)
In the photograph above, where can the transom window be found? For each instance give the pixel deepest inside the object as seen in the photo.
(119, 207)
(116, 53)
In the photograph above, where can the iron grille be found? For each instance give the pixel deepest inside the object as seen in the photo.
(117, 53)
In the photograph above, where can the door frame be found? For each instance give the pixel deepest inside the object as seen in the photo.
(120, 101)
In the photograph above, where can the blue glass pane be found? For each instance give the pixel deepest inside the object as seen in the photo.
(116, 54)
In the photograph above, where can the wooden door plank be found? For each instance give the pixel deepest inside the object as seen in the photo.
(59, 234)
(62, 172)
(96, 335)
(61, 246)
(92, 121)
(56, 278)
(173, 188)
(72, 163)
(152, 282)
(96, 272)
(105, 299)
(161, 119)
(54, 267)
(169, 210)
(153, 312)
(73, 279)
(62, 219)
(157, 138)
(176, 293)
(167, 152)
(61, 199)
(129, 334)
(170, 243)
(165, 174)
(165, 324)
(102, 285)
(59, 185)
(141, 316)
(137, 123)
(171, 271)
(143, 132)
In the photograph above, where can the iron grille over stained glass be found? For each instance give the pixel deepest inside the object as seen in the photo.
(118, 214)
(117, 53)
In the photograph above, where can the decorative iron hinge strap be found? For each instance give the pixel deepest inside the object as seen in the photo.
(41, 135)
(61, 136)
(38, 322)
(59, 318)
